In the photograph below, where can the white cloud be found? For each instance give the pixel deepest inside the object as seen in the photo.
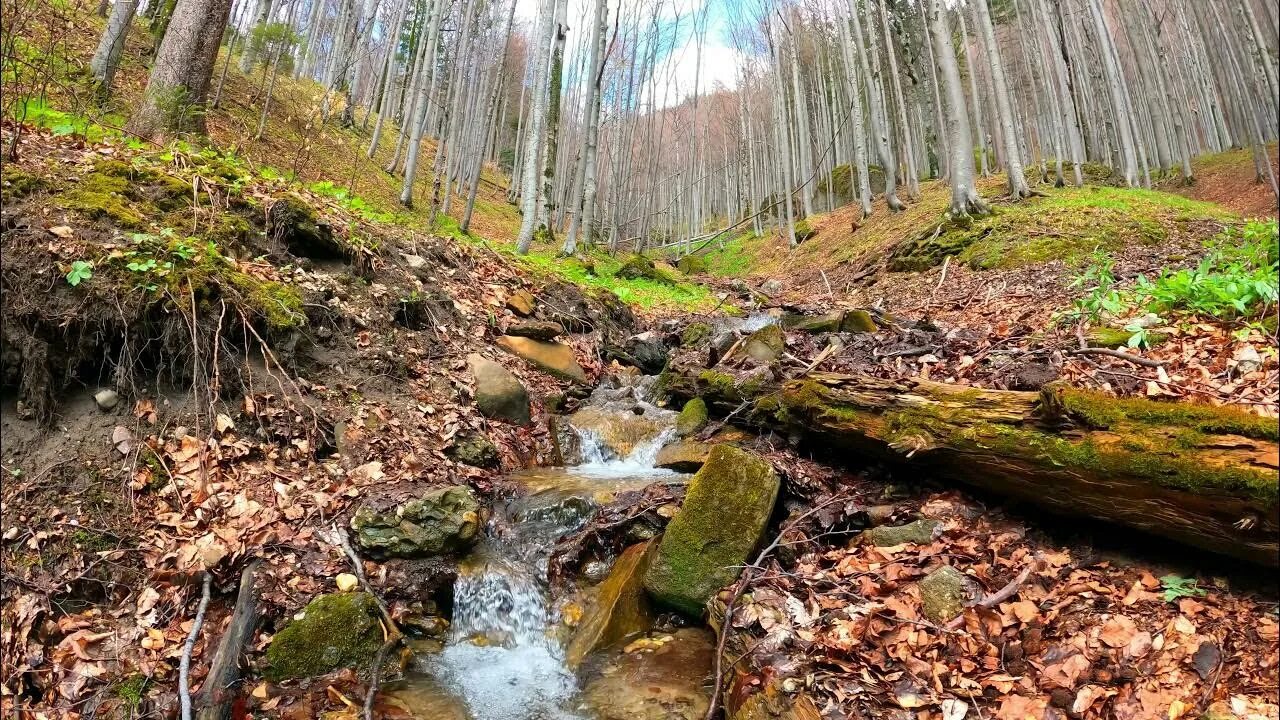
(678, 72)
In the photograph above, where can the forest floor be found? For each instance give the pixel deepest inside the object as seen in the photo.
(267, 389)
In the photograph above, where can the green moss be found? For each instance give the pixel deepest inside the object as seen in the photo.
(1104, 412)
(858, 321)
(335, 631)
(692, 418)
(692, 264)
(131, 690)
(278, 303)
(103, 194)
(804, 230)
(19, 183)
(695, 334)
(639, 267)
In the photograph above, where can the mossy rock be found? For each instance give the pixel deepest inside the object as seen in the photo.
(18, 183)
(639, 267)
(725, 512)
(695, 334)
(292, 223)
(1109, 337)
(804, 230)
(765, 345)
(919, 532)
(475, 450)
(692, 264)
(816, 323)
(858, 321)
(943, 594)
(692, 418)
(335, 631)
(441, 521)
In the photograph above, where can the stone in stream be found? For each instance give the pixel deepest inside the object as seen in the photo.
(536, 329)
(765, 345)
(620, 610)
(693, 417)
(499, 394)
(683, 456)
(554, 358)
(333, 631)
(725, 511)
(944, 594)
(919, 532)
(620, 433)
(645, 352)
(442, 521)
(475, 450)
(662, 678)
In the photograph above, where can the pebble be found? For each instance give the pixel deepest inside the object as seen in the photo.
(106, 399)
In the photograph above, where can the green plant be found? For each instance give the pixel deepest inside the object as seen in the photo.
(1099, 282)
(1237, 277)
(81, 270)
(1176, 586)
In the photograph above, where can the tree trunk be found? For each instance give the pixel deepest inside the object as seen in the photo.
(534, 134)
(1201, 475)
(111, 45)
(1004, 104)
(964, 195)
(583, 208)
(175, 94)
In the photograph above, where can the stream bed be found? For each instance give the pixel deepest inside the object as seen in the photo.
(504, 657)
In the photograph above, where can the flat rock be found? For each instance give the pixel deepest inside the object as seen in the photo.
(522, 303)
(554, 358)
(499, 394)
(536, 329)
(919, 532)
(725, 511)
(621, 608)
(683, 456)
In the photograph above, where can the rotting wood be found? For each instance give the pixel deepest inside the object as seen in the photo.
(1201, 475)
(217, 695)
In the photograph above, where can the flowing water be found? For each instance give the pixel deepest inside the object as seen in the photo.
(504, 658)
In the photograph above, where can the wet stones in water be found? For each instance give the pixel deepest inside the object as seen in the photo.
(536, 329)
(646, 352)
(621, 608)
(944, 594)
(725, 511)
(683, 456)
(663, 678)
(617, 432)
(919, 532)
(499, 394)
(553, 358)
(334, 631)
(442, 521)
(291, 222)
(693, 417)
(475, 450)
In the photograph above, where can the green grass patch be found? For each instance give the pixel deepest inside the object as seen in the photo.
(598, 273)
(735, 257)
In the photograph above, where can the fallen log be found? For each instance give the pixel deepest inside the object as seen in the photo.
(1205, 476)
(218, 693)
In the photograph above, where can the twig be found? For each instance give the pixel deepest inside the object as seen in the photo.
(946, 265)
(375, 677)
(343, 542)
(184, 666)
(1000, 595)
(1144, 362)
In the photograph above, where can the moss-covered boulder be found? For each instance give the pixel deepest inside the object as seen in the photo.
(333, 631)
(692, 418)
(296, 226)
(804, 231)
(442, 521)
(692, 264)
(919, 532)
(695, 334)
(499, 394)
(858, 321)
(765, 345)
(554, 358)
(815, 323)
(725, 511)
(944, 594)
(621, 608)
(639, 267)
(475, 450)
(683, 456)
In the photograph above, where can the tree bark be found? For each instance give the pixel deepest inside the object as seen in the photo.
(1200, 475)
(107, 58)
(175, 95)
(964, 195)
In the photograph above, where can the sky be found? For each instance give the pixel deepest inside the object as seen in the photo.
(720, 61)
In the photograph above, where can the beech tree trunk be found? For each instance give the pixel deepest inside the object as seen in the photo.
(964, 195)
(1201, 475)
(175, 95)
(111, 45)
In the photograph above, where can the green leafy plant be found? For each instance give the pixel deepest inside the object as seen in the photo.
(1099, 281)
(81, 270)
(1176, 586)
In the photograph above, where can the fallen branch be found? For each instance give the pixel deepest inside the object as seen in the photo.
(215, 702)
(184, 666)
(1000, 595)
(394, 636)
(1144, 362)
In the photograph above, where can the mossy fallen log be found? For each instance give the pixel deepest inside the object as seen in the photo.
(1205, 476)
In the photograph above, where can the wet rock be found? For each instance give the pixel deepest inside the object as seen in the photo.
(765, 345)
(725, 511)
(522, 303)
(773, 704)
(292, 223)
(683, 456)
(422, 625)
(919, 532)
(536, 329)
(106, 399)
(943, 594)
(595, 571)
(695, 334)
(621, 609)
(772, 286)
(499, 394)
(817, 323)
(645, 352)
(442, 521)
(692, 418)
(663, 678)
(858, 321)
(618, 433)
(475, 450)
(334, 631)
(420, 581)
(554, 358)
